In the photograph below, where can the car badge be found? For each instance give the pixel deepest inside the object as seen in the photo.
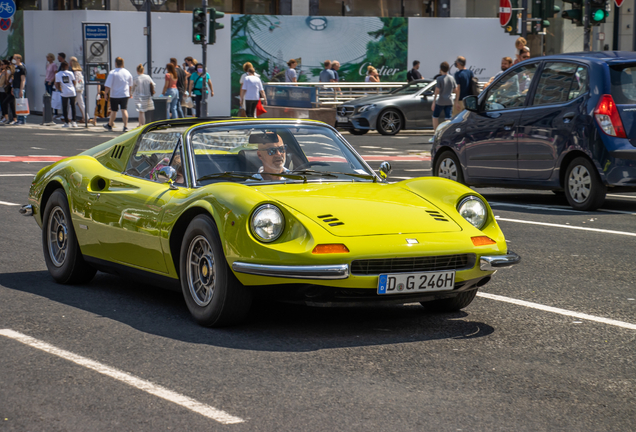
(343, 111)
(412, 241)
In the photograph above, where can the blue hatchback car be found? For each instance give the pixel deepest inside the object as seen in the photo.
(564, 123)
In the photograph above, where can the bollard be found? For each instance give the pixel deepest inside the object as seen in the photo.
(47, 112)
(161, 108)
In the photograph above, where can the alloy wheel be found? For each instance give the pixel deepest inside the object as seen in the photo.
(390, 121)
(57, 238)
(201, 274)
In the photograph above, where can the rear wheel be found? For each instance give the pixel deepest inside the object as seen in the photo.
(61, 251)
(450, 304)
(358, 131)
(212, 293)
(583, 187)
(447, 166)
(389, 122)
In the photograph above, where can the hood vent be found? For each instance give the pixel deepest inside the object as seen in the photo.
(437, 215)
(330, 220)
(118, 150)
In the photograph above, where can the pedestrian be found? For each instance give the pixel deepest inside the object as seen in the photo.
(445, 85)
(335, 67)
(519, 44)
(199, 84)
(506, 62)
(246, 67)
(8, 104)
(464, 79)
(3, 92)
(414, 74)
(61, 57)
(189, 68)
(170, 90)
(79, 90)
(372, 74)
(143, 90)
(251, 92)
(49, 79)
(65, 84)
(181, 85)
(119, 87)
(19, 85)
(327, 74)
(524, 53)
(290, 73)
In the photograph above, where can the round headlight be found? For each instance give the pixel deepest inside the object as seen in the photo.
(474, 211)
(267, 223)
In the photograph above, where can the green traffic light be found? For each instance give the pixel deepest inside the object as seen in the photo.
(598, 15)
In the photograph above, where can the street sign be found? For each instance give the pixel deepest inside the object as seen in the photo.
(5, 24)
(96, 43)
(618, 3)
(7, 9)
(505, 12)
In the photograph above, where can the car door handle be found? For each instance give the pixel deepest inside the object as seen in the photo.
(567, 118)
(508, 125)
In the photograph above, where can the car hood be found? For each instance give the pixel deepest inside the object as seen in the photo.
(361, 209)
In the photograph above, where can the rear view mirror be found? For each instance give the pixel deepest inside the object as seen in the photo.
(385, 170)
(471, 103)
(167, 174)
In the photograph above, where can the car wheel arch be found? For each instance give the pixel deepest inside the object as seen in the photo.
(51, 187)
(445, 149)
(568, 158)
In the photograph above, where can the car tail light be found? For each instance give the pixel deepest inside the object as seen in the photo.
(608, 117)
(330, 248)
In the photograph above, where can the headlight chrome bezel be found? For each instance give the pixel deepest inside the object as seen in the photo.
(473, 199)
(364, 108)
(253, 227)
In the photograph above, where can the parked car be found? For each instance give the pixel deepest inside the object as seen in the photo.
(564, 123)
(198, 205)
(407, 107)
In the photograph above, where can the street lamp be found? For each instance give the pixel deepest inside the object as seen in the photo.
(139, 4)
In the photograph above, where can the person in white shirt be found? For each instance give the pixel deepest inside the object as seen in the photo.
(119, 87)
(65, 84)
(250, 91)
(246, 66)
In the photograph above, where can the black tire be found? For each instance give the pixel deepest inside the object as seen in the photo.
(582, 185)
(389, 122)
(447, 166)
(62, 253)
(454, 304)
(358, 131)
(221, 299)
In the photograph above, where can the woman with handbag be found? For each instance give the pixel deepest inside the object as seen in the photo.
(198, 87)
(143, 90)
(170, 89)
(252, 92)
(79, 89)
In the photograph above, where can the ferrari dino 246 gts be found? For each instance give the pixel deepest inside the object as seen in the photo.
(227, 209)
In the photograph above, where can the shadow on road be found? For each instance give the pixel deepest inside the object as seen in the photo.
(271, 327)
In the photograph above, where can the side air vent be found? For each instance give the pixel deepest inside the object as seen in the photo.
(118, 150)
(330, 220)
(437, 215)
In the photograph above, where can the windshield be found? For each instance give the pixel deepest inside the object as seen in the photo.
(623, 79)
(412, 88)
(274, 153)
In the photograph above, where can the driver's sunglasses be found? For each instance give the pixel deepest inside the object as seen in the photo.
(273, 150)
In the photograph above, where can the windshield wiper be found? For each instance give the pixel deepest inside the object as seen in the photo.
(226, 174)
(362, 176)
(312, 172)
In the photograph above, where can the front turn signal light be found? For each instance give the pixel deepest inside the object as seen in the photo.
(330, 249)
(482, 241)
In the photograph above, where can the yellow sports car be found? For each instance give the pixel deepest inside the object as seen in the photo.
(229, 208)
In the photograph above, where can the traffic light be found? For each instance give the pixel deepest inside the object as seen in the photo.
(513, 25)
(198, 26)
(598, 12)
(214, 26)
(576, 13)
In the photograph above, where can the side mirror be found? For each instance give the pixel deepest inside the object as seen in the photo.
(167, 174)
(427, 93)
(385, 170)
(471, 103)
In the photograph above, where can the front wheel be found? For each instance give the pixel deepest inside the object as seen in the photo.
(212, 293)
(389, 122)
(447, 166)
(454, 304)
(62, 253)
(583, 187)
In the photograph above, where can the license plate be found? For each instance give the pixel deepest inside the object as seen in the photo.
(341, 119)
(408, 283)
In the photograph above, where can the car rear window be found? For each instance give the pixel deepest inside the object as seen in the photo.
(623, 78)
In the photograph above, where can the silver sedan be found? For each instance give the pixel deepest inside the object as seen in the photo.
(407, 107)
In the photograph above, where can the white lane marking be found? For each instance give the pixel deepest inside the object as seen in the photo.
(625, 233)
(558, 311)
(370, 147)
(556, 208)
(147, 386)
(418, 169)
(8, 203)
(17, 175)
(37, 148)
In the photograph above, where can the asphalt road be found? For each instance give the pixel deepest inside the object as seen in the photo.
(547, 346)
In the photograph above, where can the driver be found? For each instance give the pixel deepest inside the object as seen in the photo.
(272, 156)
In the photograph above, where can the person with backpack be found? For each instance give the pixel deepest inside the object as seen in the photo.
(199, 84)
(466, 81)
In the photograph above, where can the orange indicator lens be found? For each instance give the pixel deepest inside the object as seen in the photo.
(482, 241)
(330, 248)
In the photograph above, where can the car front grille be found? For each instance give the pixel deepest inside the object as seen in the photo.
(413, 264)
(345, 110)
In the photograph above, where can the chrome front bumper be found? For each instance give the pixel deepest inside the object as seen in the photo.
(496, 262)
(26, 210)
(335, 271)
